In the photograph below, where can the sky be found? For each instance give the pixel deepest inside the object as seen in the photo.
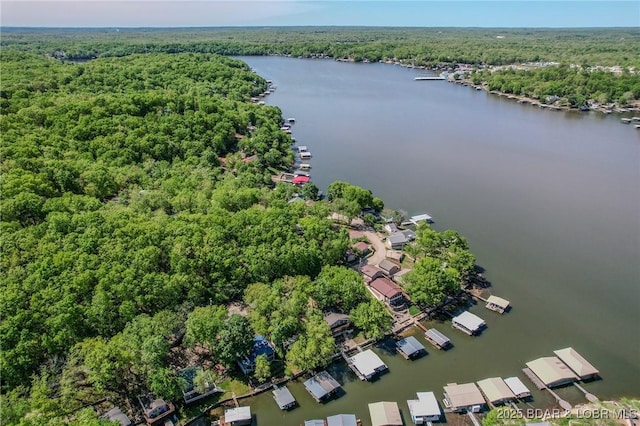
(411, 13)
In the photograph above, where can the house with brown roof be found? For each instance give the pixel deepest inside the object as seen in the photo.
(338, 323)
(389, 292)
(362, 248)
(388, 267)
(371, 272)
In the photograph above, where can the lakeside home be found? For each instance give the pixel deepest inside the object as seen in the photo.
(155, 410)
(389, 292)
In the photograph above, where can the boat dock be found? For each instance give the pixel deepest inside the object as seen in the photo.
(536, 381)
(428, 78)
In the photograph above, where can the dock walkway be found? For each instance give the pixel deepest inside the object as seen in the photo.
(353, 368)
(536, 381)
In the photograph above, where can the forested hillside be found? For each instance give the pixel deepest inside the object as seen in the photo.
(120, 218)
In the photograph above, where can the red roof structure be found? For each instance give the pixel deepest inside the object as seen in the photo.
(300, 179)
(385, 287)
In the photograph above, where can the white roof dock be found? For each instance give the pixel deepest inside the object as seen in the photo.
(468, 323)
(302, 148)
(577, 363)
(496, 390)
(420, 218)
(284, 398)
(239, 415)
(410, 347)
(425, 408)
(342, 420)
(551, 371)
(368, 363)
(321, 385)
(517, 387)
(315, 422)
(438, 339)
(497, 304)
(461, 397)
(385, 413)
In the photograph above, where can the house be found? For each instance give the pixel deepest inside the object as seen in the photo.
(354, 234)
(385, 413)
(395, 255)
(388, 267)
(391, 228)
(468, 323)
(410, 347)
(189, 393)
(517, 387)
(338, 323)
(371, 272)
(362, 248)
(116, 415)
(465, 397)
(261, 346)
(496, 390)
(409, 234)
(155, 410)
(342, 420)
(551, 371)
(389, 292)
(237, 416)
(425, 409)
(321, 386)
(367, 364)
(577, 363)
(284, 398)
(396, 241)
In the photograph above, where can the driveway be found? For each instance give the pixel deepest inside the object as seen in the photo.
(379, 247)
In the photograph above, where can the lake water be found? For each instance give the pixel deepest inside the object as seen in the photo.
(549, 201)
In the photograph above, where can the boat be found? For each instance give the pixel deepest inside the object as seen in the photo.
(305, 155)
(625, 120)
(304, 166)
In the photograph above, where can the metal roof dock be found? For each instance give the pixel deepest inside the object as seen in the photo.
(551, 371)
(437, 339)
(342, 420)
(577, 363)
(385, 413)
(425, 408)
(367, 364)
(517, 387)
(237, 416)
(410, 347)
(321, 386)
(284, 398)
(497, 304)
(468, 323)
(496, 390)
(463, 397)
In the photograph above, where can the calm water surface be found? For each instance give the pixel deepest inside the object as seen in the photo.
(548, 200)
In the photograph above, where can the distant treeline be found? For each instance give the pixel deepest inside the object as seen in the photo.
(420, 46)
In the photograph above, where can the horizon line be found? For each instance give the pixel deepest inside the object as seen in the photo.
(310, 26)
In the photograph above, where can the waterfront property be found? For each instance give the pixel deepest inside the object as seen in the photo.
(155, 410)
(424, 409)
(284, 398)
(410, 348)
(338, 323)
(305, 155)
(189, 393)
(577, 363)
(371, 272)
(385, 413)
(362, 248)
(420, 218)
(496, 391)
(300, 180)
(391, 228)
(465, 397)
(551, 371)
(238, 416)
(322, 386)
(518, 388)
(389, 292)
(397, 241)
(468, 323)
(261, 346)
(437, 339)
(342, 420)
(497, 304)
(367, 365)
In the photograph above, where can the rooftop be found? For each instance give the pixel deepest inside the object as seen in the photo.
(321, 385)
(237, 414)
(362, 246)
(385, 414)
(576, 362)
(283, 397)
(315, 422)
(370, 270)
(342, 420)
(386, 287)
(367, 362)
(387, 265)
(420, 218)
(410, 345)
(516, 386)
(465, 395)
(397, 238)
(498, 301)
(469, 321)
(332, 318)
(495, 389)
(425, 406)
(437, 337)
(551, 371)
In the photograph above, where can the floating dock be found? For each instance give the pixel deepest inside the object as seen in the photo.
(437, 339)
(428, 78)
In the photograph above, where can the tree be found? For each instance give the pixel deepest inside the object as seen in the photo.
(166, 384)
(309, 191)
(204, 380)
(313, 348)
(430, 281)
(337, 287)
(263, 369)
(235, 339)
(372, 318)
(203, 325)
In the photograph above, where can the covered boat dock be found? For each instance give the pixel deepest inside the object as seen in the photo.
(496, 391)
(577, 363)
(497, 304)
(284, 398)
(465, 397)
(437, 339)
(424, 409)
(385, 413)
(367, 365)
(517, 387)
(551, 372)
(468, 323)
(321, 386)
(410, 348)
